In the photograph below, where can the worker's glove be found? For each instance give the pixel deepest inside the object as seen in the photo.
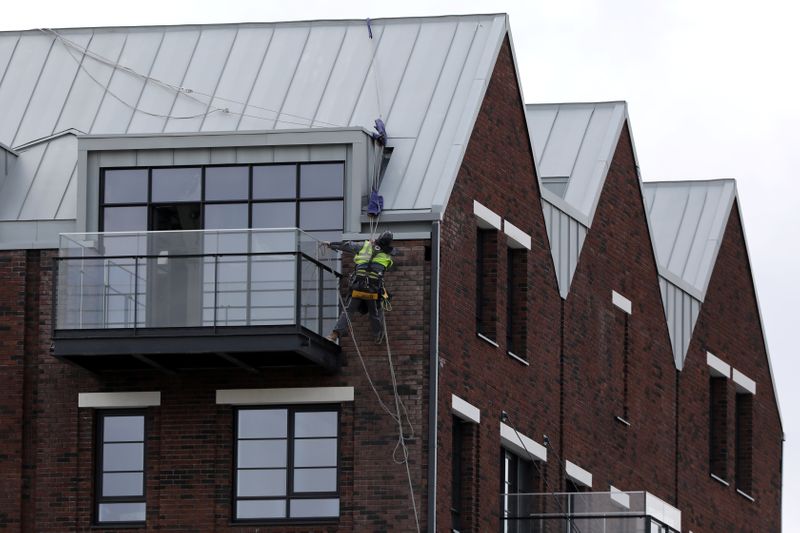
(326, 243)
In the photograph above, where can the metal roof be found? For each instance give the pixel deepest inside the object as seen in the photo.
(573, 145)
(425, 77)
(688, 220)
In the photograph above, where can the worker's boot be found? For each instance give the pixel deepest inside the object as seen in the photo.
(333, 336)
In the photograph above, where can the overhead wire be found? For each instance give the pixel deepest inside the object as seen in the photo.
(186, 91)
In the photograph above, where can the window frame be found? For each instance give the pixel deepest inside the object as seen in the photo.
(718, 429)
(99, 499)
(457, 513)
(291, 410)
(535, 480)
(486, 250)
(743, 442)
(298, 199)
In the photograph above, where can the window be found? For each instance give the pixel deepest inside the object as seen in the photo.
(286, 464)
(120, 467)
(744, 443)
(519, 476)
(517, 297)
(718, 428)
(304, 195)
(457, 487)
(486, 283)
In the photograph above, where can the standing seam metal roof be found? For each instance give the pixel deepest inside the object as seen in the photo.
(425, 76)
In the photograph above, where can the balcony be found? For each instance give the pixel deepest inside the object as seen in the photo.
(588, 512)
(175, 300)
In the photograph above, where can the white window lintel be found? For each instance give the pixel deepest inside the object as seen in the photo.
(119, 400)
(487, 219)
(621, 302)
(465, 410)
(744, 385)
(719, 368)
(521, 445)
(300, 395)
(578, 475)
(516, 237)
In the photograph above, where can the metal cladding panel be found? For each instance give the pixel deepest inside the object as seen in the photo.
(392, 54)
(68, 205)
(424, 76)
(566, 237)
(236, 81)
(272, 83)
(19, 82)
(311, 77)
(169, 66)
(688, 220)
(125, 86)
(51, 91)
(681, 311)
(351, 76)
(208, 61)
(89, 87)
(15, 188)
(577, 142)
(50, 181)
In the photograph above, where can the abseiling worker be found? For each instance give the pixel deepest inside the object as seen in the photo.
(372, 260)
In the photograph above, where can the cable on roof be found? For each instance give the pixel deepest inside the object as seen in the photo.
(186, 91)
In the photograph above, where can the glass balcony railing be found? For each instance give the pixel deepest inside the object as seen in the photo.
(588, 512)
(195, 279)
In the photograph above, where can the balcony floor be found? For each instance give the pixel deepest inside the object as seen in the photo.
(174, 349)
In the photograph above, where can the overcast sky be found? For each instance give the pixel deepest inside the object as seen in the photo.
(713, 89)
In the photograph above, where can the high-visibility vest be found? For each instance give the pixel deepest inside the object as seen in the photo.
(367, 254)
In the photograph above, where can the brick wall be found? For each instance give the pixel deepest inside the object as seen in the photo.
(498, 172)
(49, 484)
(729, 327)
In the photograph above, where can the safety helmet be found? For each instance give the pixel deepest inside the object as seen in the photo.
(385, 239)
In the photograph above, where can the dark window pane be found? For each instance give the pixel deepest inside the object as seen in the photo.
(227, 183)
(123, 428)
(274, 215)
(261, 453)
(176, 217)
(274, 181)
(315, 480)
(321, 215)
(123, 457)
(226, 216)
(125, 186)
(311, 508)
(262, 423)
(321, 180)
(261, 483)
(315, 452)
(121, 512)
(125, 219)
(261, 509)
(176, 184)
(315, 424)
(123, 484)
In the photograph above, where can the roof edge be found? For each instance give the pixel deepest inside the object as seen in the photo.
(255, 23)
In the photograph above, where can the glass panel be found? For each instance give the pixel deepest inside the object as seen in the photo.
(274, 181)
(176, 184)
(124, 484)
(321, 180)
(261, 509)
(123, 428)
(117, 457)
(125, 219)
(122, 512)
(125, 186)
(315, 480)
(176, 217)
(314, 508)
(315, 424)
(261, 483)
(227, 183)
(262, 423)
(261, 453)
(321, 215)
(176, 287)
(315, 452)
(225, 216)
(274, 215)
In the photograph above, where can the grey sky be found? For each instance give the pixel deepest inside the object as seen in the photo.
(712, 88)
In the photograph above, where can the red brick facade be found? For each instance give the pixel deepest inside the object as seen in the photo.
(600, 383)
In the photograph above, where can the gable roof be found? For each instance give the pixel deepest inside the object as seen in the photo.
(573, 145)
(425, 77)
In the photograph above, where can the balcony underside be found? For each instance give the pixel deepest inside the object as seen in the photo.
(171, 350)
